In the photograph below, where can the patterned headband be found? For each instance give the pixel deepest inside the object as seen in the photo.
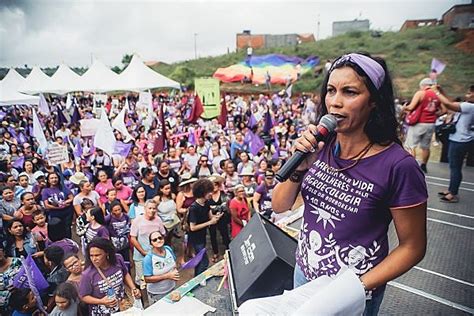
(373, 69)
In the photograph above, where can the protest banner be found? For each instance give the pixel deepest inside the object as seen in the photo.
(57, 154)
(89, 127)
(208, 90)
(99, 102)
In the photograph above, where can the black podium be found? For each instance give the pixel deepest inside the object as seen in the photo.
(261, 261)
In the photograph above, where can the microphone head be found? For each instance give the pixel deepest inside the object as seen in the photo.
(329, 122)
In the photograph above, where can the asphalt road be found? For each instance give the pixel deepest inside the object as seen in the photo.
(443, 282)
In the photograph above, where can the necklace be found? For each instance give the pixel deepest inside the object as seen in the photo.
(359, 156)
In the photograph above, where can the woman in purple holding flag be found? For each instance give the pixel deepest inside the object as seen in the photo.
(355, 183)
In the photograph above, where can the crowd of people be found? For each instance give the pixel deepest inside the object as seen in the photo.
(96, 220)
(99, 223)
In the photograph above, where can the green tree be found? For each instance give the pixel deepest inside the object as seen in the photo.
(116, 69)
(126, 59)
(184, 75)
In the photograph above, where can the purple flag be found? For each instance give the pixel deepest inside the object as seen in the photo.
(256, 143)
(268, 122)
(437, 65)
(2, 115)
(61, 119)
(18, 163)
(30, 130)
(122, 148)
(21, 280)
(30, 277)
(193, 262)
(12, 132)
(252, 121)
(22, 138)
(76, 117)
(276, 143)
(192, 137)
(78, 150)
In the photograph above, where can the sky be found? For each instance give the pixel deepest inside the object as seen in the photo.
(50, 32)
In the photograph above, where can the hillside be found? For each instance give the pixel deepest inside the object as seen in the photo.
(407, 53)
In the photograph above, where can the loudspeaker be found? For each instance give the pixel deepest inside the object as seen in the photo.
(261, 261)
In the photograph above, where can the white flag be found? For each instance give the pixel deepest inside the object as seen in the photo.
(104, 137)
(68, 101)
(119, 124)
(38, 133)
(43, 106)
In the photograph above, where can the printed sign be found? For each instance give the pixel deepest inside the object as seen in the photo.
(89, 127)
(208, 90)
(57, 154)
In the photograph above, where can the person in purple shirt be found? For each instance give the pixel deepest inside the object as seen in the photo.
(57, 201)
(103, 281)
(262, 198)
(355, 184)
(118, 224)
(96, 227)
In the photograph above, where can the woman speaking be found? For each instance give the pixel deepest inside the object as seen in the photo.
(355, 183)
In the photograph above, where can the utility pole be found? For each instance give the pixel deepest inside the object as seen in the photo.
(317, 34)
(195, 45)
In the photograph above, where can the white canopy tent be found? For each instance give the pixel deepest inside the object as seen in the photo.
(9, 94)
(37, 81)
(138, 77)
(99, 78)
(63, 81)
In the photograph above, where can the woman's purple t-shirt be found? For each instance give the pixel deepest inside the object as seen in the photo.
(347, 213)
(94, 285)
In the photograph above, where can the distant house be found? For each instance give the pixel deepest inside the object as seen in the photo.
(460, 16)
(246, 39)
(341, 27)
(413, 24)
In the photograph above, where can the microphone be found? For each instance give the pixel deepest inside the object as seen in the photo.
(326, 126)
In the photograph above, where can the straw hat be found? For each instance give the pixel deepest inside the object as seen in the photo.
(246, 172)
(78, 177)
(171, 224)
(215, 177)
(187, 178)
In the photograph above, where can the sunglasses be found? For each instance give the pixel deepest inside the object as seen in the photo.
(157, 239)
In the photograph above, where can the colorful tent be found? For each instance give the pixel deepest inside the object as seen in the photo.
(280, 68)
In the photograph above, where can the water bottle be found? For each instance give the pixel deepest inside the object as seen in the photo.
(110, 293)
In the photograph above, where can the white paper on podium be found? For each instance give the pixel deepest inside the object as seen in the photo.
(186, 306)
(323, 296)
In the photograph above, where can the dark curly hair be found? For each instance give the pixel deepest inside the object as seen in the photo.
(381, 127)
(105, 245)
(201, 187)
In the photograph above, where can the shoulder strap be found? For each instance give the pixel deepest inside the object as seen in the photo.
(104, 278)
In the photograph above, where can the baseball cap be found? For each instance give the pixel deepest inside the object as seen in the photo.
(38, 174)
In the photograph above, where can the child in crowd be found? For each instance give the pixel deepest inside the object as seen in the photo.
(118, 224)
(22, 302)
(24, 186)
(67, 301)
(81, 221)
(96, 227)
(111, 197)
(40, 231)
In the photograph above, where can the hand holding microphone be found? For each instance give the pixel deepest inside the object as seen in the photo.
(306, 147)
